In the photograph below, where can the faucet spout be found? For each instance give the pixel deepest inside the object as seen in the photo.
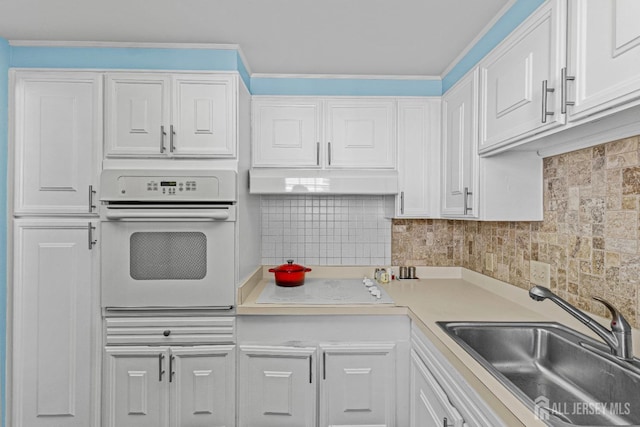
(618, 338)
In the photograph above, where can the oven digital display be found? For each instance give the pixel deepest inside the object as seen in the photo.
(168, 183)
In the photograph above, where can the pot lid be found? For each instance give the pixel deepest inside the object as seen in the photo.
(289, 267)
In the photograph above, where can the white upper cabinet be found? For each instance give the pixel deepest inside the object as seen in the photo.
(170, 115)
(137, 114)
(335, 133)
(459, 142)
(567, 78)
(604, 55)
(418, 158)
(505, 187)
(58, 117)
(286, 131)
(204, 116)
(360, 133)
(519, 93)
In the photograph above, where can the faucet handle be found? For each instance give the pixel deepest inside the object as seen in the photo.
(618, 322)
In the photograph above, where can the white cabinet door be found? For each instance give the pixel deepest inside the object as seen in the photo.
(430, 405)
(286, 132)
(460, 136)
(513, 98)
(57, 141)
(135, 387)
(358, 385)
(203, 386)
(419, 158)
(203, 119)
(360, 133)
(55, 323)
(138, 115)
(604, 55)
(277, 386)
(165, 115)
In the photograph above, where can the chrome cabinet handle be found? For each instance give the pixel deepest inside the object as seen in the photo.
(324, 365)
(445, 422)
(172, 358)
(162, 135)
(91, 193)
(90, 229)
(317, 153)
(329, 153)
(563, 90)
(465, 195)
(172, 133)
(310, 369)
(402, 202)
(545, 93)
(160, 363)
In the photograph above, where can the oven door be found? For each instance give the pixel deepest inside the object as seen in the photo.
(179, 258)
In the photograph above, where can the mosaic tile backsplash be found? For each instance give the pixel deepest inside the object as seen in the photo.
(589, 235)
(325, 230)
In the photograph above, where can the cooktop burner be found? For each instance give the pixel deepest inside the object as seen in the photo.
(324, 291)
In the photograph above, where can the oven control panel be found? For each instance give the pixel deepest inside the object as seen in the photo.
(173, 186)
(168, 187)
(149, 186)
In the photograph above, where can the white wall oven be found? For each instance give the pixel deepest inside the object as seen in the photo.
(168, 239)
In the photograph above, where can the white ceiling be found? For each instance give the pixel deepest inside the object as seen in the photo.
(374, 37)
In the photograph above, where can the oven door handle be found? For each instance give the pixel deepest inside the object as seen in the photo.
(217, 215)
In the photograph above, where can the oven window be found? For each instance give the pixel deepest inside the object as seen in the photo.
(168, 256)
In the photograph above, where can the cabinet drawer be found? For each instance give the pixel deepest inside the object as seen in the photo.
(170, 331)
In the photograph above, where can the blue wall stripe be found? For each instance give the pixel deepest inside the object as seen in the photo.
(501, 29)
(244, 74)
(344, 87)
(123, 58)
(4, 118)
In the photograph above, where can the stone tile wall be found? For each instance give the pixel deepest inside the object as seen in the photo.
(589, 235)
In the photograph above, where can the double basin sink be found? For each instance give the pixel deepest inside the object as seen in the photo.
(563, 376)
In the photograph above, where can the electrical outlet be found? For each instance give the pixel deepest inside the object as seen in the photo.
(488, 261)
(540, 273)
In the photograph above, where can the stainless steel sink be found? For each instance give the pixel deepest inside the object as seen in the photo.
(565, 377)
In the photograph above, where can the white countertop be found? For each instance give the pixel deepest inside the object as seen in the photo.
(441, 294)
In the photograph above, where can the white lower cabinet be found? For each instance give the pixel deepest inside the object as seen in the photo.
(277, 386)
(358, 384)
(354, 385)
(158, 386)
(309, 371)
(439, 395)
(55, 344)
(430, 404)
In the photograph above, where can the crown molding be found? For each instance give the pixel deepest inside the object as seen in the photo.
(480, 35)
(341, 76)
(57, 43)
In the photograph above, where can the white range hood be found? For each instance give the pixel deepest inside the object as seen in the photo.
(316, 181)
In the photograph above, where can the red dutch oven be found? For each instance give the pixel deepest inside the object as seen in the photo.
(289, 274)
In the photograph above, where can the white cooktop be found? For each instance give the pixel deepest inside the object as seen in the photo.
(323, 291)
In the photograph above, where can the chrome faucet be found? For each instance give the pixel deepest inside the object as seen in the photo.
(618, 338)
